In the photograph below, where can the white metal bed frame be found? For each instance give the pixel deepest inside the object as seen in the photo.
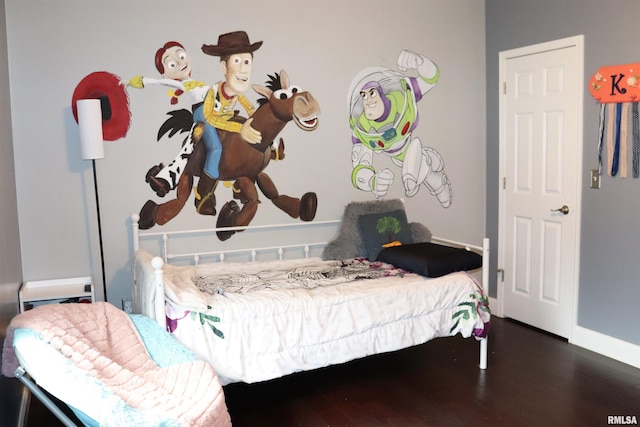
(158, 262)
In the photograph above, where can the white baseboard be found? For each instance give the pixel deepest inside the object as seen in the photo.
(606, 345)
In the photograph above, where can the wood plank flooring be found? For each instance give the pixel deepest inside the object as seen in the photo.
(533, 379)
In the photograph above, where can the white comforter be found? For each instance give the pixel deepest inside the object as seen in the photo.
(265, 334)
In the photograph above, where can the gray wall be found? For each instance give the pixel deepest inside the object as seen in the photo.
(10, 263)
(321, 44)
(609, 266)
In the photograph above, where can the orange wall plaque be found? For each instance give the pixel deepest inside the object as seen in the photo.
(616, 83)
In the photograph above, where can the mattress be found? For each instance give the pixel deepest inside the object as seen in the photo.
(267, 333)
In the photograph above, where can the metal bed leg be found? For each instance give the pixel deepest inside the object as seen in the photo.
(483, 353)
(19, 374)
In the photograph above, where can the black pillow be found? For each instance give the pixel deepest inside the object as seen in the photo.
(430, 259)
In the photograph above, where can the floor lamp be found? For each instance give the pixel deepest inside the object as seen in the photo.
(92, 147)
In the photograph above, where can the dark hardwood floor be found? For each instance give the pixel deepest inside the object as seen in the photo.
(533, 379)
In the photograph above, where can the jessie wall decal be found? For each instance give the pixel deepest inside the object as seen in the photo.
(383, 116)
(174, 65)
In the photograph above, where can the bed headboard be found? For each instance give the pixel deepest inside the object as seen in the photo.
(168, 254)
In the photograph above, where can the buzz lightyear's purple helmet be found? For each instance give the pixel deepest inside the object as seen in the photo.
(383, 97)
(385, 81)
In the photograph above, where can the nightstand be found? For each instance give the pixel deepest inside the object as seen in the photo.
(56, 291)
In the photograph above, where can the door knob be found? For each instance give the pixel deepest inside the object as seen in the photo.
(564, 210)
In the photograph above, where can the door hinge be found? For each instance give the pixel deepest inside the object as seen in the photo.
(504, 183)
(504, 88)
(501, 273)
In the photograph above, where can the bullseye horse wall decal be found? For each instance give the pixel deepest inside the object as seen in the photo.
(240, 162)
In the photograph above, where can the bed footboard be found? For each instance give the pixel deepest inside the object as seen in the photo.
(484, 250)
(485, 288)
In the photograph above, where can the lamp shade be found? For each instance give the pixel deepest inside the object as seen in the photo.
(90, 123)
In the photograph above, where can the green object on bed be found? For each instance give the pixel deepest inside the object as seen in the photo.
(377, 230)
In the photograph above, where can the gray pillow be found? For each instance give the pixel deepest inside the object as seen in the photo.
(419, 232)
(348, 243)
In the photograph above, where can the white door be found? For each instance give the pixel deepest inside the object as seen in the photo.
(541, 168)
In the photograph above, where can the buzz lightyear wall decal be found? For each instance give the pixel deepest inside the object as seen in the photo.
(222, 145)
(383, 116)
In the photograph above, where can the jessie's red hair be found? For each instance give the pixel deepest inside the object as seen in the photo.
(160, 53)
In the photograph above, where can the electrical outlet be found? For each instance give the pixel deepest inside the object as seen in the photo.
(595, 178)
(126, 305)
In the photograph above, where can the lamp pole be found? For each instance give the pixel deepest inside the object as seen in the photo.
(95, 187)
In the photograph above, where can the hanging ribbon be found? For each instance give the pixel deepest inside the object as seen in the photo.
(616, 148)
(624, 140)
(635, 126)
(601, 137)
(610, 136)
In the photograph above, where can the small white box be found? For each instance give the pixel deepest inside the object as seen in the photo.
(55, 291)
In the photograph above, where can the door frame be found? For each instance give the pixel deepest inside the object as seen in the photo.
(578, 42)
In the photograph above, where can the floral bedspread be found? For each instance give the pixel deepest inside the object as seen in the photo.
(306, 276)
(263, 332)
